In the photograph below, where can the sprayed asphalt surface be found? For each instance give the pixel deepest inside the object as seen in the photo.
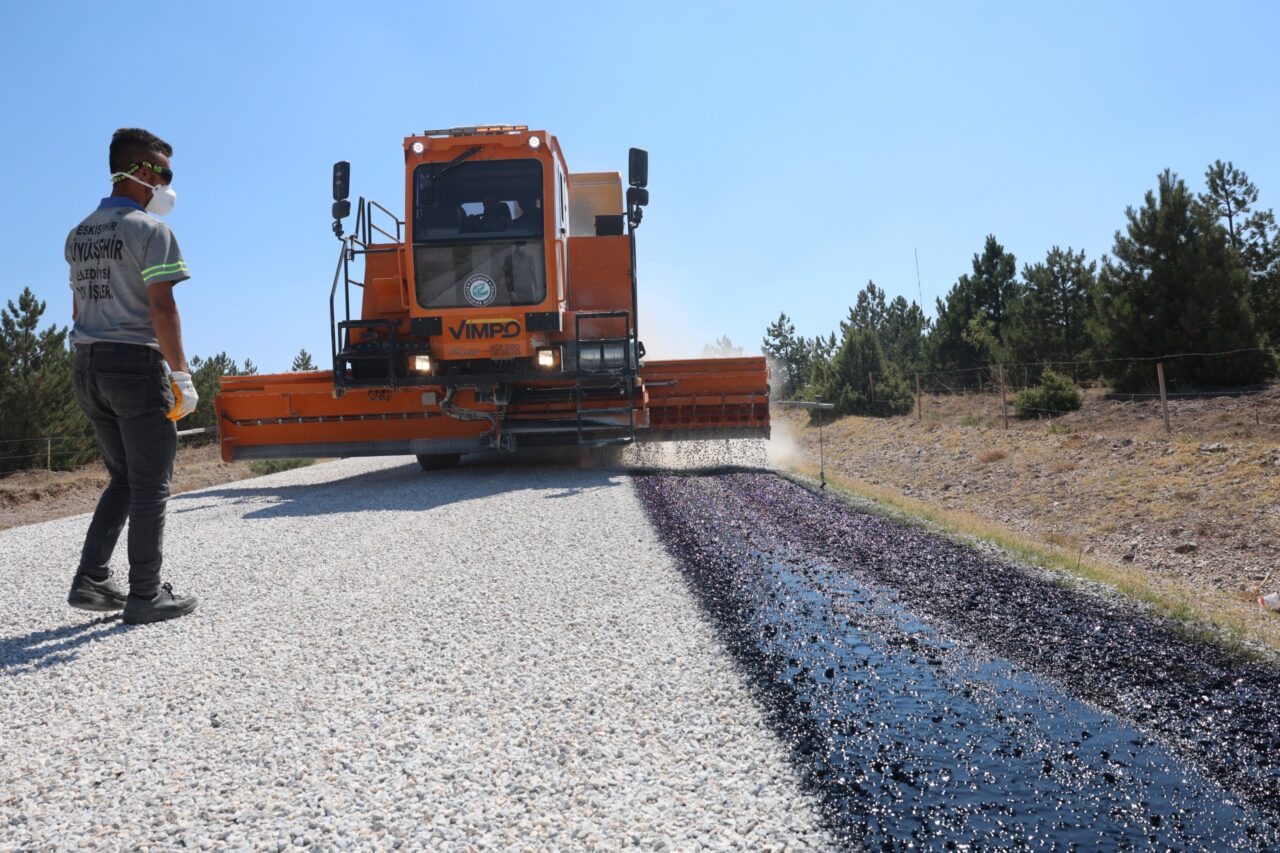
(933, 695)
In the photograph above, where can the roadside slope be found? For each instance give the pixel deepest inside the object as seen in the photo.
(1198, 521)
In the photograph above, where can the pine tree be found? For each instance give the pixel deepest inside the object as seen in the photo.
(724, 347)
(971, 324)
(302, 362)
(868, 312)
(789, 355)
(1049, 320)
(205, 374)
(821, 350)
(949, 346)
(900, 326)
(903, 335)
(849, 380)
(994, 284)
(1231, 196)
(1174, 284)
(37, 396)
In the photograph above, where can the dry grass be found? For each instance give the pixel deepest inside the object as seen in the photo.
(1062, 540)
(990, 456)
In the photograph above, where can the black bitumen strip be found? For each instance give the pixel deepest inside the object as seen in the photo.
(935, 695)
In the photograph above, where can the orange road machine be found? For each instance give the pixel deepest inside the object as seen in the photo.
(500, 313)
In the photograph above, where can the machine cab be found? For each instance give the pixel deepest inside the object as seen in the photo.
(486, 228)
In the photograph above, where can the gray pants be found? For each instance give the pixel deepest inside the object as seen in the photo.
(125, 393)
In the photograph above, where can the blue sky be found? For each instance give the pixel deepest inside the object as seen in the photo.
(796, 150)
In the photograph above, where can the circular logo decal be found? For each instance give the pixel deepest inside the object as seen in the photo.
(480, 290)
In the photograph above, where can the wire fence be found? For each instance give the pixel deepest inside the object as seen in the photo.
(66, 452)
(1161, 395)
(996, 395)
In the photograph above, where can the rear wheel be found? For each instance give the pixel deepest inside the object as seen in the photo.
(436, 461)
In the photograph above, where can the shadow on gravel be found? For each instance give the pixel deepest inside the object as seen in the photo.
(402, 488)
(933, 695)
(43, 649)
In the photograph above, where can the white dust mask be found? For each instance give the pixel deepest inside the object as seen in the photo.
(163, 197)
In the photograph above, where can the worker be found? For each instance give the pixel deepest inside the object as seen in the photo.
(131, 375)
(530, 218)
(520, 278)
(496, 215)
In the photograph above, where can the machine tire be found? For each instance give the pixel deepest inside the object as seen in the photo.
(436, 461)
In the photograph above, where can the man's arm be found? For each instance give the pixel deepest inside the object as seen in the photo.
(168, 325)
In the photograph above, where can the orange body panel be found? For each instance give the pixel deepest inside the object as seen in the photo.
(297, 414)
(386, 295)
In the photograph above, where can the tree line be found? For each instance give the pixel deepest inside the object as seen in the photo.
(1193, 274)
(37, 393)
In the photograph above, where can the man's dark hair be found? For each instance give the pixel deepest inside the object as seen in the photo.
(131, 145)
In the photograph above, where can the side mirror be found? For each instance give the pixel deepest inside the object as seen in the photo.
(638, 168)
(341, 209)
(341, 181)
(637, 197)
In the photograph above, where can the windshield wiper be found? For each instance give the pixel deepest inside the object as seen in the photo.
(454, 163)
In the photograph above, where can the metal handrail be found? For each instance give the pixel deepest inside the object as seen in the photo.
(369, 223)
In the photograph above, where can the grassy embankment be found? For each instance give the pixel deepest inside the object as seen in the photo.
(1161, 489)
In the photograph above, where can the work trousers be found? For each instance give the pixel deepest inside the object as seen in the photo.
(124, 390)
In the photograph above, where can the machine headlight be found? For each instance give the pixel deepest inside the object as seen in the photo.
(547, 357)
(418, 147)
(421, 363)
(534, 142)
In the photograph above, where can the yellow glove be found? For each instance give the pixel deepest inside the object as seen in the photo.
(184, 395)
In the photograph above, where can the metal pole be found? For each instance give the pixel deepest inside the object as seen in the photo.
(919, 405)
(822, 454)
(1004, 400)
(1164, 401)
(48, 451)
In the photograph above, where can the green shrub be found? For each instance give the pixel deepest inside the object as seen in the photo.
(1055, 395)
(275, 466)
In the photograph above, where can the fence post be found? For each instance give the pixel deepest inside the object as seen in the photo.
(48, 454)
(871, 378)
(919, 405)
(1164, 400)
(1004, 400)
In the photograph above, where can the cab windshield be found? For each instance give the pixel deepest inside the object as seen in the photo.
(477, 200)
(477, 233)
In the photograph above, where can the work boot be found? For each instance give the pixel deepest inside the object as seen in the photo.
(101, 596)
(165, 605)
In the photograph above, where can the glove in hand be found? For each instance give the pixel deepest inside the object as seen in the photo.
(184, 395)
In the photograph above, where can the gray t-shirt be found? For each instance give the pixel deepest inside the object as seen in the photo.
(115, 254)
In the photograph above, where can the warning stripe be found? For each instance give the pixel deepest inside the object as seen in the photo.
(164, 269)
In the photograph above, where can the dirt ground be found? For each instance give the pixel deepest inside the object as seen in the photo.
(1199, 506)
(31, 496)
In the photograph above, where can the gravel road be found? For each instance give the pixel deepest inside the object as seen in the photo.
(485, 657)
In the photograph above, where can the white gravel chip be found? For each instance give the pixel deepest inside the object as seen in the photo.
(489, 657)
